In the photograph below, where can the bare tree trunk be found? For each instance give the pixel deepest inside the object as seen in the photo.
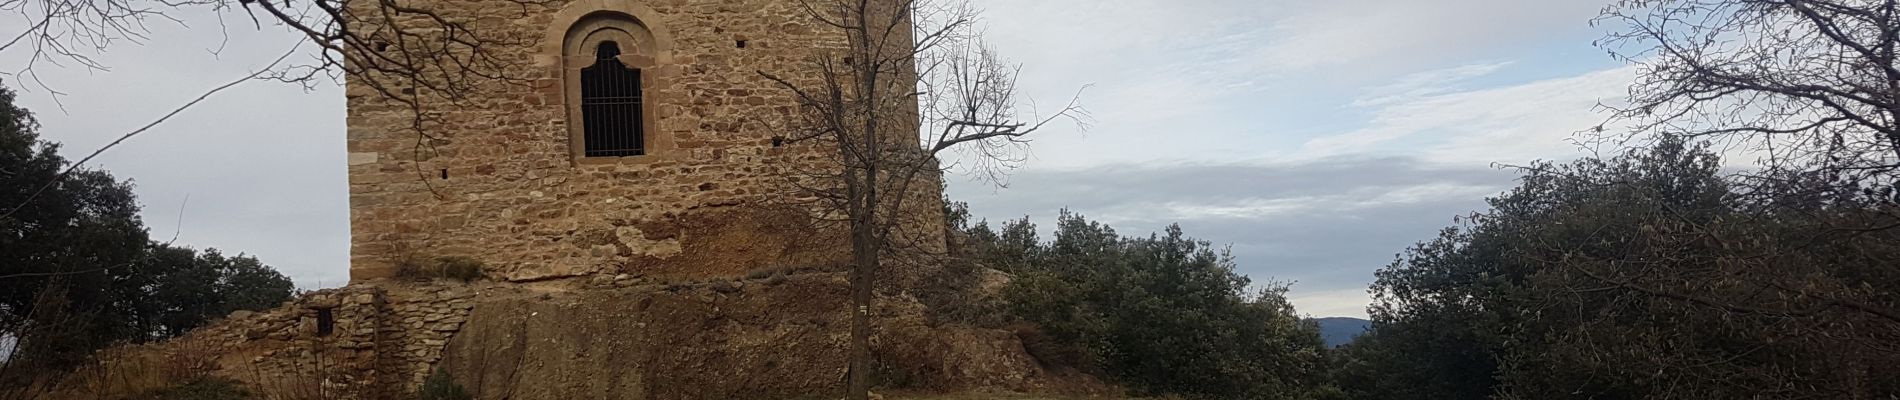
(874, 86)
(864, 250)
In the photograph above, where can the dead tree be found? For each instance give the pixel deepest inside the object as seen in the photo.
(1812, 84)
(396, 48)
(913, 82)
(406, 52)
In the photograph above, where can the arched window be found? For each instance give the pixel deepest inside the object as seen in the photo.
(608, 112)
(612, 123)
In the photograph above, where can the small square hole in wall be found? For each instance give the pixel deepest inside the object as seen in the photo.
(742, 43)
(326, 322)
(778, 141)
(445, 174)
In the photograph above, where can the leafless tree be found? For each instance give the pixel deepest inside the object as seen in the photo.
(914, 83)
(1813, 84)
(406, 52)
(395, 48)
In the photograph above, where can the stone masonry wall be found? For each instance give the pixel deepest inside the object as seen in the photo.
(494, 179)
(380, 341)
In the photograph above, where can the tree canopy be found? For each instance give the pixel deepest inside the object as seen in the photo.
(1648, 275)
(80, 272)
(1163, 313)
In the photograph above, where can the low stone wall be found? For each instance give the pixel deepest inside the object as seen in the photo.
(778, 335)
(356, 342)
(421, 322)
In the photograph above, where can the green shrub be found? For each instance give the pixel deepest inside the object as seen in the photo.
(203, 389)
(1163, 314)
(439, 386)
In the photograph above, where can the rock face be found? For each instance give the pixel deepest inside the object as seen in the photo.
(783, 336)
(751, 340)
(498, 178)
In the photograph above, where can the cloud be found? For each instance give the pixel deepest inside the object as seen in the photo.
(257, 169)
(1333, 303)
(1370, 34)
(1428, 83)
(1503, 124)
(1324, 224)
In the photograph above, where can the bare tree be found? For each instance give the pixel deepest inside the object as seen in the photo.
(1813, 84)
(395, 48)
(406, 52)
(914, 82)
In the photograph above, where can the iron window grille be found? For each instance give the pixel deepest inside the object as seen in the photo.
(612, 120)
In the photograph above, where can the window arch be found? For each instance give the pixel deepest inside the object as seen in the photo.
(611, 106)
(607, 58)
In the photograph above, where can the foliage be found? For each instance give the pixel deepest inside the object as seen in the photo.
(65, 249)
(193, 288)
(203, 389)
(80, 273)
(1642, 276)
(440, 386)
(1165, 314)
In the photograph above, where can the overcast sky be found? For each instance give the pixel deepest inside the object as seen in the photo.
(1319, 138)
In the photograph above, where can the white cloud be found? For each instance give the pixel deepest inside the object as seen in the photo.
(1269, 207)
(1505, 124)
(1428, 83)
(1331, 303)
(1371, 34)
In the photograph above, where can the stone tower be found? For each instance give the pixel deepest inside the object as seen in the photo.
(637, 148)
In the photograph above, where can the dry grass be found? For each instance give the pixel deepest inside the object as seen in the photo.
(318, 375)
(124, 373)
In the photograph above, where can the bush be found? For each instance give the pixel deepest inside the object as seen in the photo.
(1049, 351)
(203, 389)
(439, 386)
(1162, 314)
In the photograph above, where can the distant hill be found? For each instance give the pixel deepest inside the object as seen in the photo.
(1337, 331)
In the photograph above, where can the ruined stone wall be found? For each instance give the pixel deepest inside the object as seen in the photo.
(357, 342)
(494, 177)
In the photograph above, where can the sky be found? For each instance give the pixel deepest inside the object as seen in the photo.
(1317, 138)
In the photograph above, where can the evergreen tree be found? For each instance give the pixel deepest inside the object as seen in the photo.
(77, 271)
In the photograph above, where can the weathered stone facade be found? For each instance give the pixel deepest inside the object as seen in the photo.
(357, 342)
(498, 179)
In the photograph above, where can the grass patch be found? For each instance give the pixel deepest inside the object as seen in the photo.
(208, 388)
(439, 386)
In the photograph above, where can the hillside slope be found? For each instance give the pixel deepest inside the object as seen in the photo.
(1337, 331)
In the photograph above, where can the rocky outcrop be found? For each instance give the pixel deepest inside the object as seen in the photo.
(780, 335)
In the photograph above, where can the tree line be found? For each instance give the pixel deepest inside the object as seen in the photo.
(1161, 314)
(81, 272)
(1664, 272)
(1652, 274)
(1645, 276)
